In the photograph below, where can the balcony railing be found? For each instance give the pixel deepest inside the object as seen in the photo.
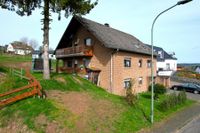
(73, 51)
(165, 73)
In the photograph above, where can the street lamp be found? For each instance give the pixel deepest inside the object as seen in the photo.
(152, 76)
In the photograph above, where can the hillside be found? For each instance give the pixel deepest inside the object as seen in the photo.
(75, 105)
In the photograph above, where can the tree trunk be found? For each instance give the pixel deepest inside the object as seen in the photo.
(46, 72)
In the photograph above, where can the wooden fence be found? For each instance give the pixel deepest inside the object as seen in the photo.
(33, 88)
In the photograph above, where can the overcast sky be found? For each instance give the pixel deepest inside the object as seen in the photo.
(178, 30)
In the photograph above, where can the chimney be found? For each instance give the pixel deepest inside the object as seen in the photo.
(107, 25)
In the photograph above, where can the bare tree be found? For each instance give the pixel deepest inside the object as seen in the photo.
(24, 40)
(33, 43)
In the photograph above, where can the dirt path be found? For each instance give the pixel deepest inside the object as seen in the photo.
(94, 115)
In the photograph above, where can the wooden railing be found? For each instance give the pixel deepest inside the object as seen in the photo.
(33, 88)
(73, 50)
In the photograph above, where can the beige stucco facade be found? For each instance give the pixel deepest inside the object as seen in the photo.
(110, 62)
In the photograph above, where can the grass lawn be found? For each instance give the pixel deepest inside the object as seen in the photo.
(98, 111)
(15, 58)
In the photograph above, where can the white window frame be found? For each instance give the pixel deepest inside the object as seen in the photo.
(127, 83)
(88, 41)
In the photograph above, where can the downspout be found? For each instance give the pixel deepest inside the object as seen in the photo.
(111, 69)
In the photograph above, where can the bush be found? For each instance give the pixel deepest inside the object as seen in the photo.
(131, 97)
(173, 100)
(158, 89)
(182, 97)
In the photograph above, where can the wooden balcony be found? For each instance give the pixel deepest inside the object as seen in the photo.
(74, 51)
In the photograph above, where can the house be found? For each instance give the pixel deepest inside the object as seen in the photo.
(108, 57)
(197, 69)
(166, 65)
(19, 48)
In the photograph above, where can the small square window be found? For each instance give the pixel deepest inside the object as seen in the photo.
(140, 63)
(127, 62)
(140, 79)
(148, 63)
(88, 42)
(127, 83)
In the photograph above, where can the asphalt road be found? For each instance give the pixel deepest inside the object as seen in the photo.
(191, 127)
(194, 125)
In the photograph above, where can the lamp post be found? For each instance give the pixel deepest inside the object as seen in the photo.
(152, 76)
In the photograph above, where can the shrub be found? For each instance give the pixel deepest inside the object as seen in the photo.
(173, 100)
(131, 97)
(158, 89)
(182, 97)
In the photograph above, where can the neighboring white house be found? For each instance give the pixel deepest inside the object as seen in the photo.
(166, 63)
(19, 48)
(166, 66)
(197, 69)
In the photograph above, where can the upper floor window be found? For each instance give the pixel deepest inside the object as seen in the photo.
(140, 63)
(160, 54)
(148, 63)
(127, 62)
(88, 41)
(167, 66)
(127, 83)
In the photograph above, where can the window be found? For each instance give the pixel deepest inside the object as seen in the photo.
(167, 66)
(69, 63)
(140, 63)
(127, 62)
(148, 63)
(127, 83)
(140, 79)
(88, 42)
(160, 53)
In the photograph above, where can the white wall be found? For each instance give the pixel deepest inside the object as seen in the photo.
(163, 65)
(10, 48)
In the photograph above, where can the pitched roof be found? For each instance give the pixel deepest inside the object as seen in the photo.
(20, 45)
(165, 55)
(110, 37)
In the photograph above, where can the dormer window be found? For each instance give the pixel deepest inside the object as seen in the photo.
(160, 54)
(88, 41)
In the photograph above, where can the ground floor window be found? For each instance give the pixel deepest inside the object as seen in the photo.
(140, 80)
(127, 83)
(69, 63)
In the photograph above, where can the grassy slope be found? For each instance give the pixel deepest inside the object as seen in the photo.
(14, 58)
(130, 119)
